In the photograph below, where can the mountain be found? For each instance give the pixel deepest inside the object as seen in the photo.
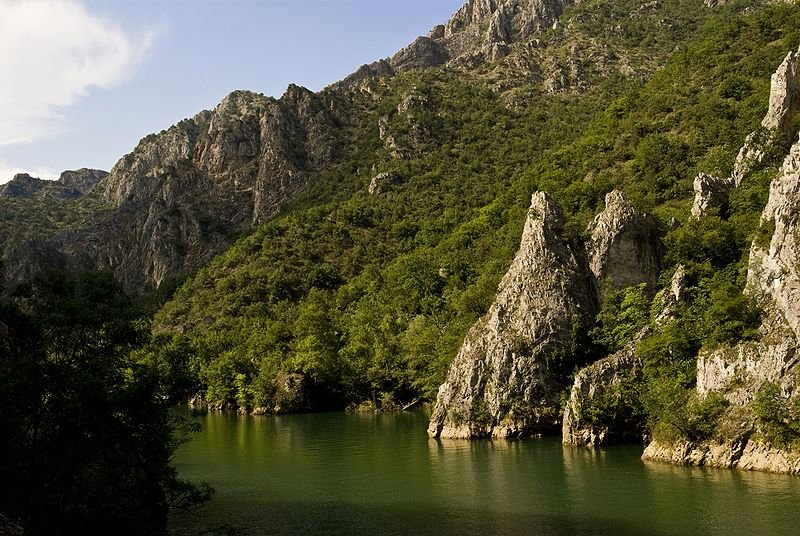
(182, 196)
(70, 185)
(542, 216)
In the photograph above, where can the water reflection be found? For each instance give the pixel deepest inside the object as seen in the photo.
(361, 474)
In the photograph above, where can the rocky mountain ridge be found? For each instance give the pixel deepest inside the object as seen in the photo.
(70, 185)
(182, 195)
(480, 31)
(212, 177)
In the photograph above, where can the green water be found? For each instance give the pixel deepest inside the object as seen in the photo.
(346, 474)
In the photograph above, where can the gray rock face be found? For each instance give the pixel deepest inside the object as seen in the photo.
(783, 95)
(504, 381)
(75, 184)
(21, 186)
(784, 102)
(602, 380)
(710, 193)
(70, 185)
(739, 371)
(773, 275)
(480, 30)
(382, 182)
(424, 52)
(181, 196)
(625, 246)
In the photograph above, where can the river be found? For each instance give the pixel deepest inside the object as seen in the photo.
(349, 474)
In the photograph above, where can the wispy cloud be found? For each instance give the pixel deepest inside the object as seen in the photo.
(52, 53)
(7, 172)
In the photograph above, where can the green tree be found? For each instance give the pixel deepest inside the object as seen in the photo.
(87, 439)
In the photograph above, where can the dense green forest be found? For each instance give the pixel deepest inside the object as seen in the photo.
(368, 297)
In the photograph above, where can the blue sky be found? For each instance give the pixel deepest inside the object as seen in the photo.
(84, 80)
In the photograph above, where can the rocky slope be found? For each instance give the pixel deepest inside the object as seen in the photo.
(481, 31)
(182, 195)
(739, 372)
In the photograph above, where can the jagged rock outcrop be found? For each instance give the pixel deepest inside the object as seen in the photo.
(480, 30)
(505, 380)
(382, 182)
(481, 23)
(70, 185)
(424, 52)
(710, 193)
(21, 186)
(773, 275)
(182, 195)
(625, 246)
(612, 383)
(80, 182)
(784, 102)
(603, 382)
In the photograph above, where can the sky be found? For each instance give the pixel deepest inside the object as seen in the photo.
(82, 81)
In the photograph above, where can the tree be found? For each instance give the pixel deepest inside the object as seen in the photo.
(87, 440)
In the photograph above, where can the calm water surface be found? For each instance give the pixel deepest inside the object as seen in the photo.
(337, 473)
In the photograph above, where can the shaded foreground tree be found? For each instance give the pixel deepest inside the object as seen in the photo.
(87, 436)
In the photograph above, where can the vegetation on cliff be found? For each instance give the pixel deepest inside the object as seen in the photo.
(369, 296)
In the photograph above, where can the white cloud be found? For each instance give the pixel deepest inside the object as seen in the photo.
(7, 172)
(52, 52)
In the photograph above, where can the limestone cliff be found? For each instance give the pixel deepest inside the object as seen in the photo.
(773, 274)
(710, 193)
(603, 382)
(481, 30)
(784, 102)
(182, 195)
(602, 407)
(739, 371)
(505, 380)
(70, 185)
(625, 247)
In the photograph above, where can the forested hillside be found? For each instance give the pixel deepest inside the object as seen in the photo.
(367, 296)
